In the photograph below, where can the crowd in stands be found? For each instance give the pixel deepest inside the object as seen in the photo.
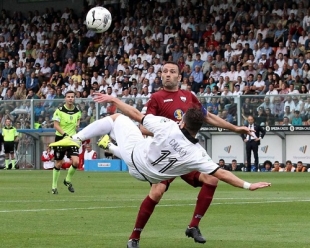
(256, 52)
(267, 166)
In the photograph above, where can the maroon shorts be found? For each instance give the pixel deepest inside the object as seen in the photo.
(191, 178)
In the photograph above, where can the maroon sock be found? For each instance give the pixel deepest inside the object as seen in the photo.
(204, 200)
(145, 212)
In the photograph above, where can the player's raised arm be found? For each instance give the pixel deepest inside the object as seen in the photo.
(216, 121)
(126, 109)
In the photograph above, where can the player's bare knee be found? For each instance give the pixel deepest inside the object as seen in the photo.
(208, 179)
(58, 164)
(75, 161)
(114, 116)
(157, 191)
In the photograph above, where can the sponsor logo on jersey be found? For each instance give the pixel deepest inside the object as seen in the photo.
(264, 149)
(227, 149)
(168, 100)
(178, 114)
(183, 98)
(303, 149)
(164, 120)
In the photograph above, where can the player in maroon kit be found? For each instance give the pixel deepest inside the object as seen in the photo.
(173, 103)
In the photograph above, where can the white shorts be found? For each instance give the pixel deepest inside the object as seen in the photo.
(127, 135)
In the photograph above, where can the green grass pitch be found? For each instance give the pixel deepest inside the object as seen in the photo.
(102, 211)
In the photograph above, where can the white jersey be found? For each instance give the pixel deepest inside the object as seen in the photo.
(171, 153)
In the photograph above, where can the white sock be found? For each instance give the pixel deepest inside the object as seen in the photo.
(97, 128)
(115, 150)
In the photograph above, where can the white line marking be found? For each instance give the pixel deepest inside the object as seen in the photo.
(163, 205)
(140, 199)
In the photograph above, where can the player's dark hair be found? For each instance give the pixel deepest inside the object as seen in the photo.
(69, 92)
(173, 63)
(193, 120)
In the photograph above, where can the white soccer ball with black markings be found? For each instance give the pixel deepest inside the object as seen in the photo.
(98, 19)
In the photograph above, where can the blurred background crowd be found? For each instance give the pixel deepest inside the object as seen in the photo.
(239, 58)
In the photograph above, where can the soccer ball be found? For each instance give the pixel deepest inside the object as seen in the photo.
(98, 19)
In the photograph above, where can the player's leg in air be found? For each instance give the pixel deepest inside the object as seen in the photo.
(114, 125)
(95, 129)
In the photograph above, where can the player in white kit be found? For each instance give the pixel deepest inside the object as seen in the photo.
(172, 152)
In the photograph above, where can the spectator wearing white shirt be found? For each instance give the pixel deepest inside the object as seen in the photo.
(157, 65)
(208, 94)
(44, 89)
(257, 53)
(237, 52)
(39, 34)
(149, 55)
(120, 66)
(45, 72)
(242, 40)
(66, 14)
(145, 94)
(20, 69)
(128, 44)
(302, 40)
(277, 69)
(150, 75)
(262, 30)
(185, 24)
(271, 91)
(228, 54)
(96, 78)
(293, 90)
(91, 59)
(297, 104)
(240, 72)
(280, 60)
(241, 83)
(64, 89)
(277, 11)
(226, 91)
(263, 59)
(203, 53)
(77, 86)
(167, 35)
(289, 103)
(251, 40)
(132, 57)
(306, 21)
(40, 59)
(143, 56)
(237, 91)
(258, 85)
(157, 36)
(232, 74)
(71, 86)
(113, 86)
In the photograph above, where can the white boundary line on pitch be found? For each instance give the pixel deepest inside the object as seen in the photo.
(163, 205)
(131, 200)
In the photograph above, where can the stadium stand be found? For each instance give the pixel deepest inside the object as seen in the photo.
(240, 58)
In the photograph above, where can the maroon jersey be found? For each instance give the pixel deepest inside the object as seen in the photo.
(171, 104)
